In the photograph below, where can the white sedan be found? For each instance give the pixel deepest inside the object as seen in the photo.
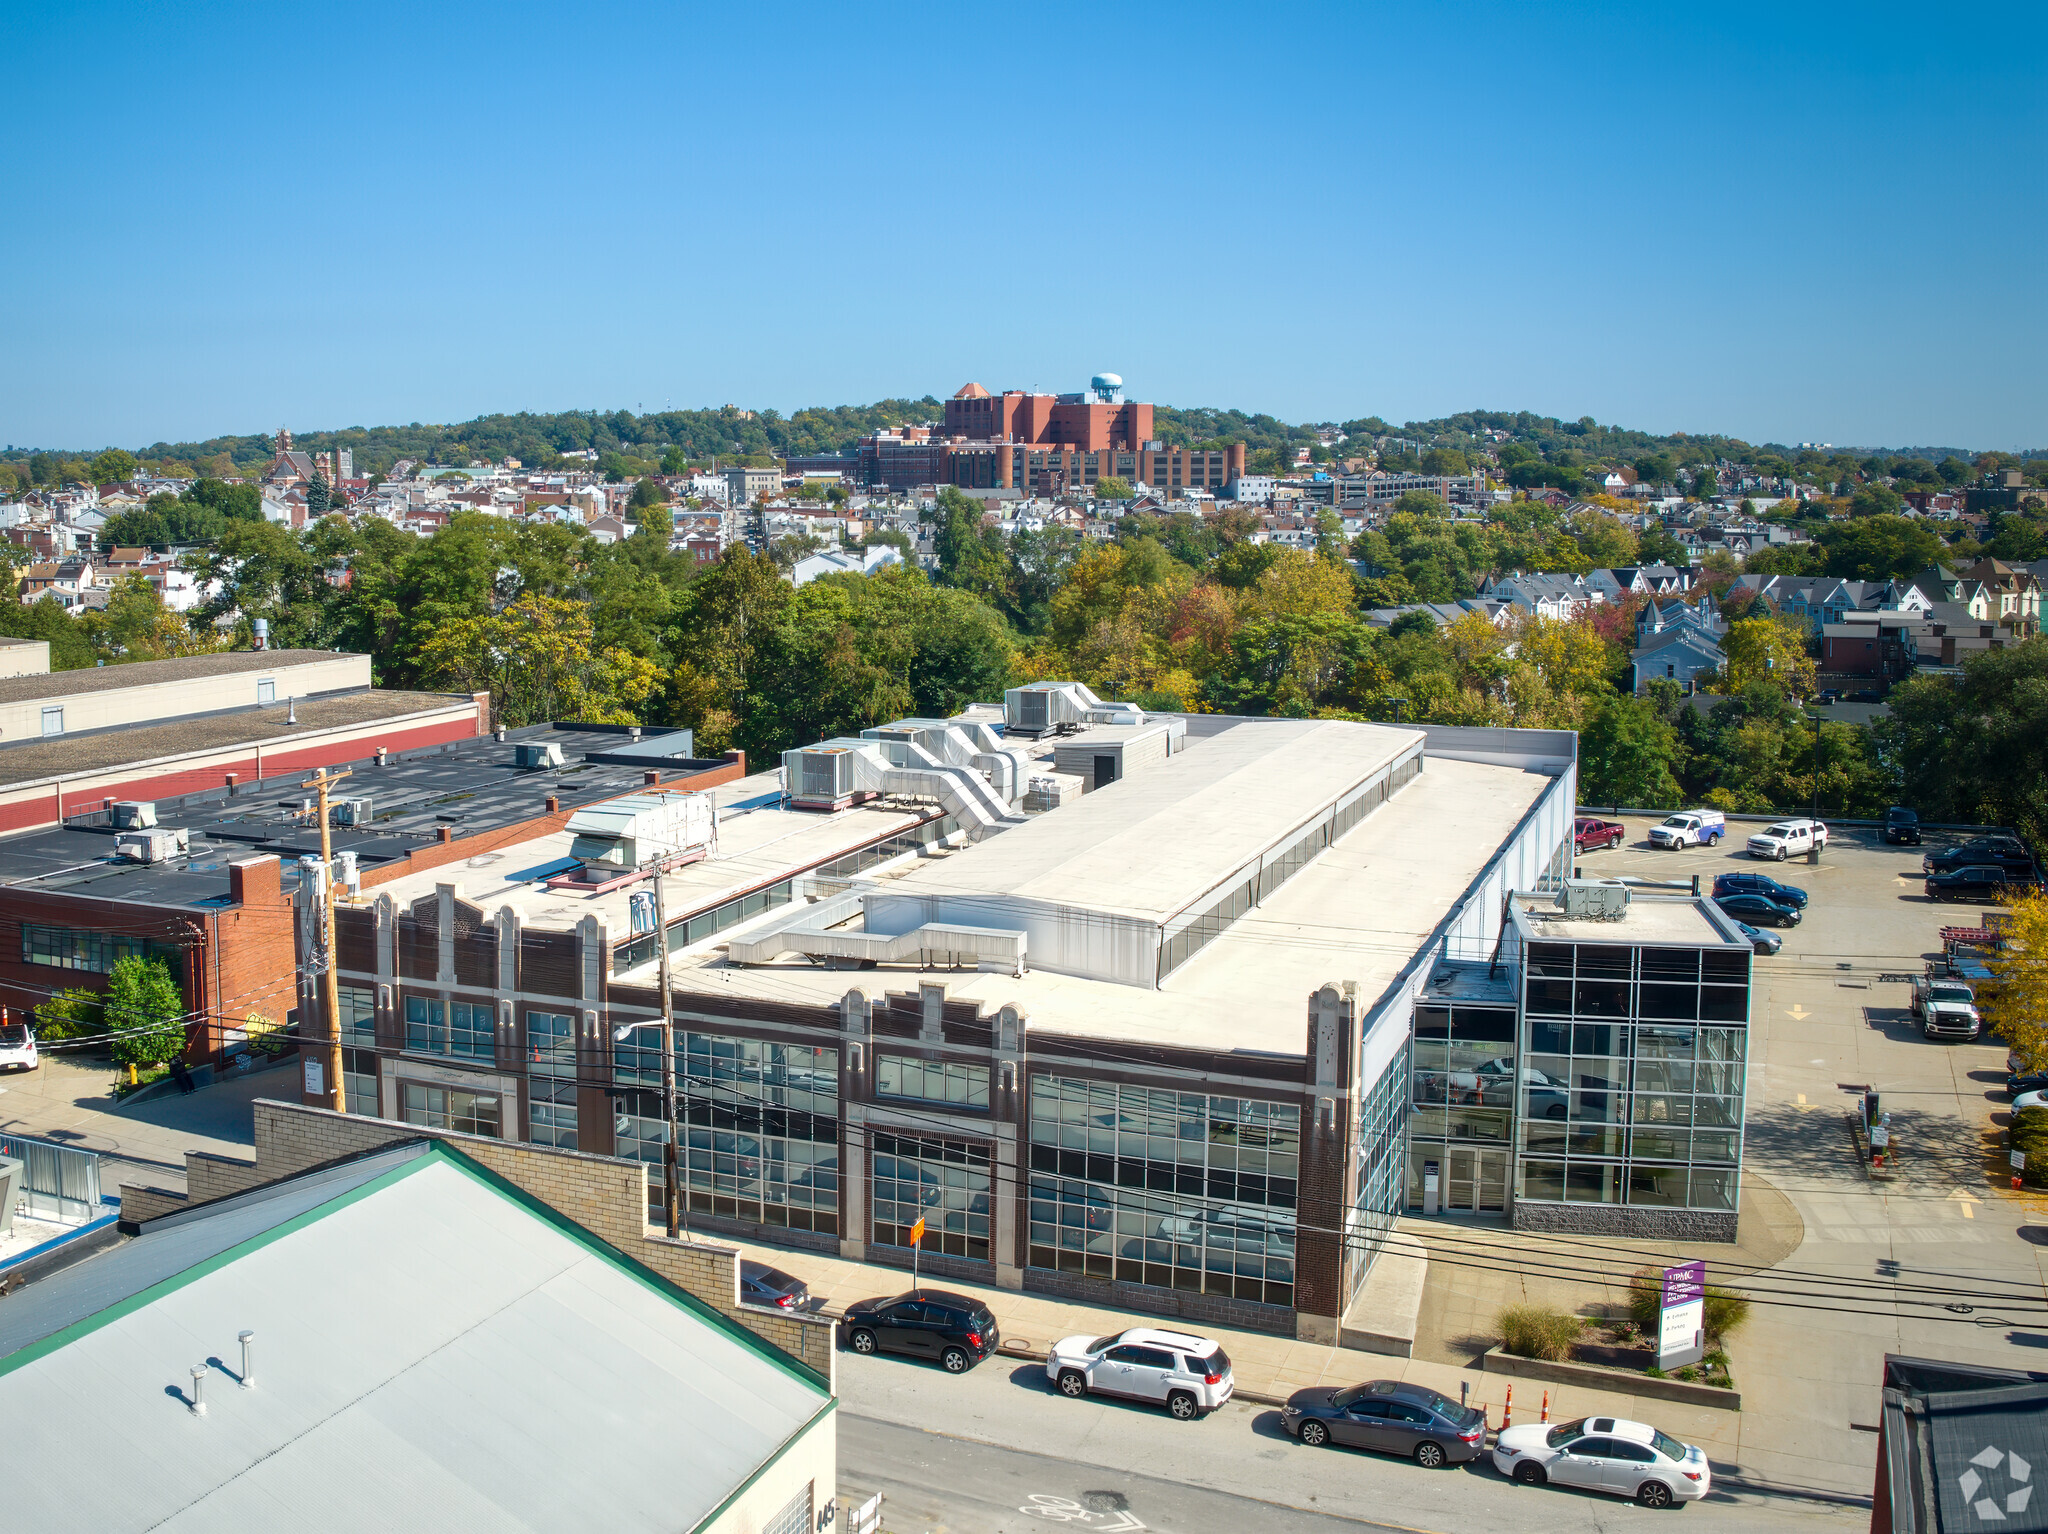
(1626, 1459)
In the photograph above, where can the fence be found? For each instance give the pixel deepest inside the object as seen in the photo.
(59, 1183)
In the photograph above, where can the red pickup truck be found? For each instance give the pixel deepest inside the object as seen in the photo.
(1589, 831)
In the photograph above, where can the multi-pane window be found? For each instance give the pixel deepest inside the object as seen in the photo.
(64, 948)
(469, 1113)
(932, 1081)
(551, 1079)
(1176, 1189)
(760, 1121)
(1632, 1079)
(795, 1516)
(459, 1028)
(359, 1081)
(1380, 1140)
(945, 1183)
(358, 1015)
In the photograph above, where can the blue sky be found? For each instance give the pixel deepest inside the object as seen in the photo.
(1783, 222)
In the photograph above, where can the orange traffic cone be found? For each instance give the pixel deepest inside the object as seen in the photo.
(1546, 1406)
(1507, 1412)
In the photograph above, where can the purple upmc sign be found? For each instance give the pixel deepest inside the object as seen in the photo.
(1685, 1284)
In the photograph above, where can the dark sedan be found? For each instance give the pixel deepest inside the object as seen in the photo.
(2008, 852)
(1975, 881)
(1758, 910)
(1760, 884)
(2025, 1081)
(763, 1285)
(1412, 1421)
(1762, 942)
(931, 1323)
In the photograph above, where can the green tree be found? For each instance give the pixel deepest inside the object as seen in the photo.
(1445, 461)
(1113, 487)
(1878, 547)
(145, 1013)
(113, 467)
(1876, 501)
(1975, 750)
(71, 1014)
(540, 662)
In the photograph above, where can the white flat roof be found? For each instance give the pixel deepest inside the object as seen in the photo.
(1154, 843)
(758, 843)
(1681, 920)
(1359, 912)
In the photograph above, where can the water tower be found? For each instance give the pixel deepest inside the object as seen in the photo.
(1107, 388)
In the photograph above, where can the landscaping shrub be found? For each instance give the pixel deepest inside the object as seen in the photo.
(2029, 1133)
(1725, 1312)
(1530, 1331)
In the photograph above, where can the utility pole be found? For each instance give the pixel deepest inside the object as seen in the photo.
(331, 986)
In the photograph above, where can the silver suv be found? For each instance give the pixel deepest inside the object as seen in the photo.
(1190, 1374)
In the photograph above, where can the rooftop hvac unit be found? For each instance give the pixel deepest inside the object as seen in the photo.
(537, 753)
(352, 812)
(813, 776)
(134, 815)
(1593, 900)
(150, 846)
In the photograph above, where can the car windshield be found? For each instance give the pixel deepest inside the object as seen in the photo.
(1345, 1397)
(1677, 820)
(1779, 831)
(1953, 993)
(1902, 817)
(1566, 1432)
(1666, 1445)
(1104, 1342)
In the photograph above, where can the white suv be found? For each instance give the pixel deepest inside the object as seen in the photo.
(17, 1046)
(1780, 841)
(1628, 1459)
(1190, 1374)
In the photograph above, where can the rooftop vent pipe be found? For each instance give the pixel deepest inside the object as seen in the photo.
(248, 1379)
(198, 1382)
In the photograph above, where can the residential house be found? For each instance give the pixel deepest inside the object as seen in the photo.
(1444, 613)
(844, 562)
(1878, 646)
(1545, 595)
(1683, 653)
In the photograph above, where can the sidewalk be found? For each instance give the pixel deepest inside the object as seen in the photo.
(1269, 1368)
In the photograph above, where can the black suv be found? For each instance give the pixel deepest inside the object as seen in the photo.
(1974, 881)
(1760, 884)
(1902, 826)
(931, 1323)
(2008, 852)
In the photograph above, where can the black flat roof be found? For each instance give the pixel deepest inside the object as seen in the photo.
(471, 786)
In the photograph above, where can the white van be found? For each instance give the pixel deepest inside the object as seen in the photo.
(1787, 838)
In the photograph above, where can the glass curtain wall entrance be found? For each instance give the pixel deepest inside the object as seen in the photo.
(1461, 1122)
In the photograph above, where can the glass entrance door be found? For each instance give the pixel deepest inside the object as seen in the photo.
(1476, 1179)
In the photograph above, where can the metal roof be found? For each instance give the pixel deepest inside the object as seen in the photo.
(147, 673)
(433, 1350)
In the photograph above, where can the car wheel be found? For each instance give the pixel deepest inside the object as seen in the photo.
(862, 1340)
(1073, 1383)
(1430, 1456)
(1654, 1494)
(1314, 1434)
(1183, 1406)
(955, 1360)
(1554, 1111)
(1614, 841)
(1529, 1473)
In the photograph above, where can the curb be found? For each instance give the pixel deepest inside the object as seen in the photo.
(1024, 1352)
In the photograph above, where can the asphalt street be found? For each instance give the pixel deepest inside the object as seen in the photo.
(1009, 1438)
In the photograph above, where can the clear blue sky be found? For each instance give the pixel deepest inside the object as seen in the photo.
(1786, 222)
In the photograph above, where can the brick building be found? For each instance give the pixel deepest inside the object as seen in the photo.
(1042, 444)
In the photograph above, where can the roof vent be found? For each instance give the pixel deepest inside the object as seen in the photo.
(1592, 900)
(150, 846)
(537, 753)
(134, 815)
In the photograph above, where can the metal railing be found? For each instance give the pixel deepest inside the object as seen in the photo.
(60, 1183)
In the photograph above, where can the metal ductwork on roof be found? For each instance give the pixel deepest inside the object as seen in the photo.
(835, 774)
(1045, 708)
(812, 931)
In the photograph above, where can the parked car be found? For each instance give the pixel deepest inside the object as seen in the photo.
(1412, 1421)
(1589, 832)
(1760, 884)
(2008, 852)
(930, 1323)
(1763, 942)
(1902, 826)
(763, 1285)
(1190, 1374)
(1628, 1459)
(1826, 696)
(1866, 695)
(17, 1047)
(1946, 1008)
(2034, 1099)
(1975, 881)
(2027, 1081)
(1491, 1084)
(1786, 838)
(1690, 828)
(1758, 910)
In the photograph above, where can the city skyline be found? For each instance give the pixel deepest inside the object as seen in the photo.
(1784, 228)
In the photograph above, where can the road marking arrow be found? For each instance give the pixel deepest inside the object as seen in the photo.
(1798, 1013)
(1967, 1199)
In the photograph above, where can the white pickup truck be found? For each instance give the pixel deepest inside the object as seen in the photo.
(1945, 1008)
(1690, 828)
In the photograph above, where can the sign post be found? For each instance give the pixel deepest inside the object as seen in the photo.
(1681, 1319)
(1430, 1195)
(916, 1242)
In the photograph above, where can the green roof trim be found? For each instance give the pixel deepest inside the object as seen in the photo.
(766, 1465)
(149, 1296)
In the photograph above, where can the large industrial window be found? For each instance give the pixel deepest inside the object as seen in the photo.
(62, 948)
(468, 1113)
(795, 1516)
(551, 1079)
(460, 1028)
(760, 1124)
(358, 1015)
(945, 1183)
(359, 1082)
(932, 1081)
(1174, 1189)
